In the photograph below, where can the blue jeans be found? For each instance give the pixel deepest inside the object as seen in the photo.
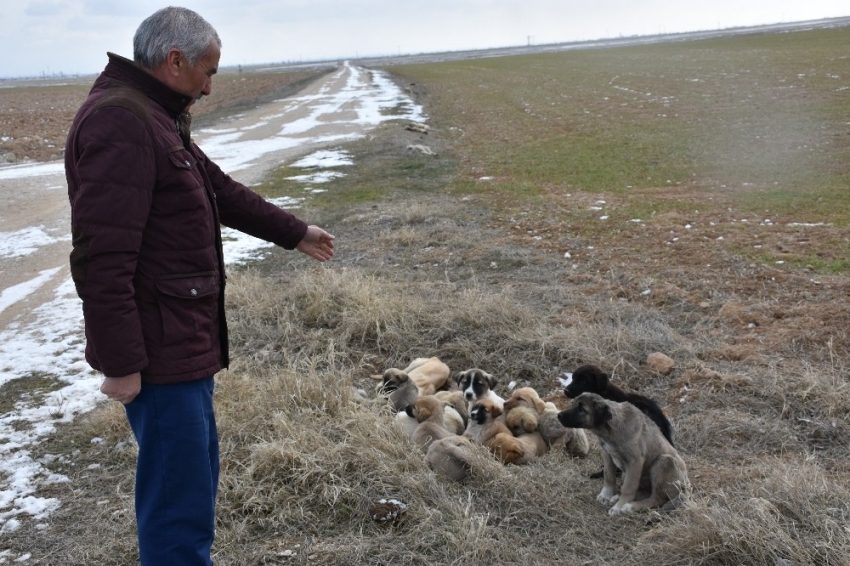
(176, 472)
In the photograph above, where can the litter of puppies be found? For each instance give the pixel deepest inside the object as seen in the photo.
(449, 416)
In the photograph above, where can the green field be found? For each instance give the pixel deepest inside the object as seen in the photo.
(764, 117)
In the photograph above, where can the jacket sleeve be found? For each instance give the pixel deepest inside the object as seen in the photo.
(242, 209)
(115, 173)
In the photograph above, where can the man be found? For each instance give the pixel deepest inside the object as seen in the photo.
(146, 209)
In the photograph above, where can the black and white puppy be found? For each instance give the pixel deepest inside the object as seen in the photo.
(478, 385)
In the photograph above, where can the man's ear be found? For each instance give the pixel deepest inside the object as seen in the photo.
(174, 62)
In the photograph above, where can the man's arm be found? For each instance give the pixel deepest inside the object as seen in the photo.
(112, 180)
(242, 209)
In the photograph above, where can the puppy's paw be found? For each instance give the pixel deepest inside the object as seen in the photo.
(606, 495)
(627, 508)
(615, 510)
(615, 498)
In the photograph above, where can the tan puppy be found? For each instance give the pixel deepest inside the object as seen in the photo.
(455, 409)
(632, 442)
(428, 412)
(451, 457)
(521, 420)
(493, 433)
(429, 374)
(526, 399)
(452, 419)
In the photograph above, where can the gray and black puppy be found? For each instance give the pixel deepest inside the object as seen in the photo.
(633, 443)
(399, 388)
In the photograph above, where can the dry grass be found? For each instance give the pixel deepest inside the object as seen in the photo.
(305, 462)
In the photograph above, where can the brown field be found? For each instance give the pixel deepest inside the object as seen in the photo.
(493, 254)
(34, 119)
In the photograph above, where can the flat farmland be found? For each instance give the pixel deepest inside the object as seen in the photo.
(585, 206)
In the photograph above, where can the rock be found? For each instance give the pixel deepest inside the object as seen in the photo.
(660, 363)
(418, 128)
(422, 149)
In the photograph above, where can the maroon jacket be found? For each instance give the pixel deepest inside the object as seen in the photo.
(146, 210)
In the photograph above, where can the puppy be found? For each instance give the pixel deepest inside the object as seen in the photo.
(526, 399)
(497, 437)
(589, 378)
(429, 374)
(451, 457)
(399, 389)
(428, 412)
(521, 420)
(632, 442)
(455, 410)
(476, 385)
(557, 436)
(454, 421)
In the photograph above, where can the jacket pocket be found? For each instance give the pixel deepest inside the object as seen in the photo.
(180, 157)
(188, 304)
(179, 173)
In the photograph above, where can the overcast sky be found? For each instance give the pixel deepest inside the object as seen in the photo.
(44, 37)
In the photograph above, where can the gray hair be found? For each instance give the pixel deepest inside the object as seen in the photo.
(172, 27)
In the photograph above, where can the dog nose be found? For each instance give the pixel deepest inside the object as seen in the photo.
(467, 396)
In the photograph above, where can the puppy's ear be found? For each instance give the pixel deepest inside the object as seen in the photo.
(423, 411)
(602, 414)
(411, 411)
(539, 405)
(602, 379)
(492, 380)
(457, 376)
(496, 411)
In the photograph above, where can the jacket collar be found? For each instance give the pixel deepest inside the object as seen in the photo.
(126, 71)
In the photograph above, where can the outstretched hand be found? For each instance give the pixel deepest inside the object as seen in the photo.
(317, 244)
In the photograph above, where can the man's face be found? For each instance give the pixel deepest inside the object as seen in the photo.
(196, 81)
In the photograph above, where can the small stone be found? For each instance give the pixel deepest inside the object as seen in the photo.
(660, 363)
